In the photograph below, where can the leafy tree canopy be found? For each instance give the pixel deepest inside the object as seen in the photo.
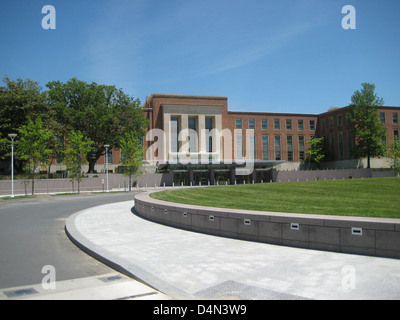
(20, 100)
(367, 129)
(103, 113)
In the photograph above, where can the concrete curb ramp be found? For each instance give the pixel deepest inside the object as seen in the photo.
(189, 265)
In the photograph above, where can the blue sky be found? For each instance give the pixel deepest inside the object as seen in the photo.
(272, 56)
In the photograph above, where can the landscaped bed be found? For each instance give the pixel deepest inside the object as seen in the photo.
(374, 197)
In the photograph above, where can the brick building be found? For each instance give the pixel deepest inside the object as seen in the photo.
(200, 130)
(277, 136)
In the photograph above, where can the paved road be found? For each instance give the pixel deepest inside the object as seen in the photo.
(32, 235)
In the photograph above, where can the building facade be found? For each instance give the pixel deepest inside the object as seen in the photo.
(267, 136)
(201, 141)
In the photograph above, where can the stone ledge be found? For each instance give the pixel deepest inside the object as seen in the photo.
(357, 235)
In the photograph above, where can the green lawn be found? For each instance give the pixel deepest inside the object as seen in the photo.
(376, 197)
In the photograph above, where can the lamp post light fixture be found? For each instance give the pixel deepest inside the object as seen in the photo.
(12, 137)
(107, 146)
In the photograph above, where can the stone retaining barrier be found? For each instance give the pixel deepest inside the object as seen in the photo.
(356, 235)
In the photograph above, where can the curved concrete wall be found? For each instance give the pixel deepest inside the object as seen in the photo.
(367, 236)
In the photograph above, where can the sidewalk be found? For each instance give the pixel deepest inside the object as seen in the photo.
(187, 265)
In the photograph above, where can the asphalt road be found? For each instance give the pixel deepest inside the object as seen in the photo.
(32, 236)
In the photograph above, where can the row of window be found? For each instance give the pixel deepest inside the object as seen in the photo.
(340, 119)
(395, 117)
(277, 147)
(193, 125)
(339, 122)
(276, 124)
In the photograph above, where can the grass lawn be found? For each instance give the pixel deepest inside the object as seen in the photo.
(375, 197)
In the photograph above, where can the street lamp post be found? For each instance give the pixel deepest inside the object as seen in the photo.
(12, 137)
(107, 146)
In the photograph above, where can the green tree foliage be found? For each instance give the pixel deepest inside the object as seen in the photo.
(20, 100)
(132, 157)
(77, 147)
(366, 127)
(103, 113)
(3, 147)
(317, 151)
(393, 153)
(32, 146)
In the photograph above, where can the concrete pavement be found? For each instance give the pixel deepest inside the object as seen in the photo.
(187, 265)
(113, 286)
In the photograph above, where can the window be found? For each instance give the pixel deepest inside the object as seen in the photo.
(175, 125)
(302, 148)
(341, 150)
(209, 127)
(264, 124)
(382, 117)
(239, 146)
(192, 134)
(289, 142)
(395, 118)
(265, 147)
(288, 124)
(109, 156)
(252, 123)
(253, 150)
(323, 124)
(300, 124)
(396, 135)
(312, 125)
(330, 122)
(332, 143)
(238, 123)
(339, 120)
(278, 148)
(277, 124)
(350, 144)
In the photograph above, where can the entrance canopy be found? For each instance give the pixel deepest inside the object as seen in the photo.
(221, 173)
(258, 165)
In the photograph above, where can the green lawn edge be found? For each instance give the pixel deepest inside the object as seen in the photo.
(372, 197)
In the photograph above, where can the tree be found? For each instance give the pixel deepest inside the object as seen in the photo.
(103, 113)
(77, 147)
(20, 100)
(3, 147)
(32, 146)
(317, 151)
(366, 127)
(132, 158)
(393, 153)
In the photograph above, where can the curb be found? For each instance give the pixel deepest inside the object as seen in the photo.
(121, 265)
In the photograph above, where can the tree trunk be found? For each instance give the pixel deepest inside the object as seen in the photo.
(48, 170)
(368, 157)
(92, 163)
(92, 158)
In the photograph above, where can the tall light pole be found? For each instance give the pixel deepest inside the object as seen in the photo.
(12, 137)
(107, 146)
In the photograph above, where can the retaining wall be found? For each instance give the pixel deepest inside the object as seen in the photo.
(366, 236)
(96, 183)
(339, 174)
